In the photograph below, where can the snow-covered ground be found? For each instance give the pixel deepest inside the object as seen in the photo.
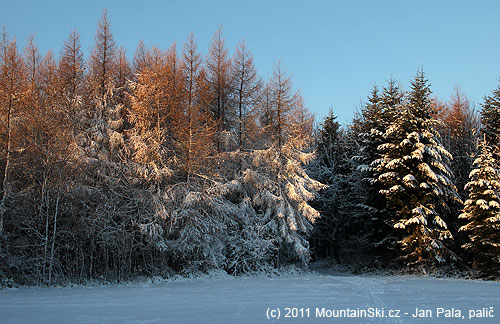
(312, 297)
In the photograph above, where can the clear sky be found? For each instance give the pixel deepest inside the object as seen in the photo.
(334, 50)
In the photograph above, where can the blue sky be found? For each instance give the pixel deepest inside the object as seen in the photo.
(334, 50)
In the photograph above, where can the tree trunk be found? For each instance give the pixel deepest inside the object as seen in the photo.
(55, 226)
(7, 164)
(190, 130)
(240, 110)
(46, 239)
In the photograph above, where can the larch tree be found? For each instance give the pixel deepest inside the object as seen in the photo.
(102, 58)
(416, 180)
(139, 62)
(123, 73)
(101, 108)
(149, 117)
(118, 116)
(12, 97)
(482, 213)
(196, 133)
(50, 147)
(303, 118)
(459, 129)
(32, 64)
(71, 71)
(247, 86)
(175, 86)
(50, 82)
(218, 73)
(459, 136)
(265, 118)
(74, 133)
(283, 102)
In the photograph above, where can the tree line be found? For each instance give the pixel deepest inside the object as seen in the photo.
(176, 163)
(173, 163)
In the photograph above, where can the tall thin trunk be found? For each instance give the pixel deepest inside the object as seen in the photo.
(46, 238)
(420, 248)
(7, 160)
(240, 111)
(103, 80)
(219, 122)
(279, 123)
(190, 131)
(158, 139)
(73, 83)
(52, 249)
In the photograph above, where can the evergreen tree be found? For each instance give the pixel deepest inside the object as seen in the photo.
(482, 211)
(339, 231)
(415, 179)
(490, 118)
(369, 130)
(370, 118)
(324, 168)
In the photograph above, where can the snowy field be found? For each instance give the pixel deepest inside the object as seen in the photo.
(310, 298)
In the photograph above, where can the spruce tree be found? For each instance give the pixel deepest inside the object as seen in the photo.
(415, 179)
(383, 238)
(490, 117)
(368, 129)
(482, 212)
(341, 231)
(325, 169)
(376, 116)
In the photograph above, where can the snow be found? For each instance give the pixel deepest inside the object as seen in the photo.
(227, 299)
(482, 204)
(409, 180)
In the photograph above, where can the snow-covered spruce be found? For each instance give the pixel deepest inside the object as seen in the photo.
(416, 180)
(379, 113)
(482, 212)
